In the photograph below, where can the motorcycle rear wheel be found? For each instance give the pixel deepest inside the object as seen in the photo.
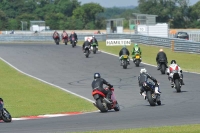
(150, 99)
(100, 106)
(125, 64)
(163, 69)
(177, 85)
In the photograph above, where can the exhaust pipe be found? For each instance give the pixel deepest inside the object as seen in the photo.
(107, 101)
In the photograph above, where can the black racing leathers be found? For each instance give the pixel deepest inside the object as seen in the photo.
(73, 36)
(143, 77)
(161, 56)
(86, 43)
(98, 84)
(124, 51)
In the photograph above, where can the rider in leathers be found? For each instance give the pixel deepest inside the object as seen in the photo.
(124, 51)
(94, 40)
(161, 56)
(98, 83)
(143, 77)
(86, 43)
(1, 105)
(174, 67)
(73, 35)
(56, 34)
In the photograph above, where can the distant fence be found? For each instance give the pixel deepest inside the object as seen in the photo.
(173, 43)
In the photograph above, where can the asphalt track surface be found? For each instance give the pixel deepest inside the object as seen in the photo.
(67, 67)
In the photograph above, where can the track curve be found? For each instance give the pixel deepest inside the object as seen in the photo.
(67, 67)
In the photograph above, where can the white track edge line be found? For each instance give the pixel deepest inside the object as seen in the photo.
(46, 81)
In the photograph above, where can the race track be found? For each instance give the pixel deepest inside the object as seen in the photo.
(67, 67)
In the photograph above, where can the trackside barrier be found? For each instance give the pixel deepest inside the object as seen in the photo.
(175, 44)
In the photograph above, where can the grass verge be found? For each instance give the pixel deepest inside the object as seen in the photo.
(25, 96)
(187, 61)
(168, 129)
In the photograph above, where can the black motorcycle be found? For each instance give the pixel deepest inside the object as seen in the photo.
(87, 51)
(163, 66)
(152, 97)
(4, 114)
(73, 42)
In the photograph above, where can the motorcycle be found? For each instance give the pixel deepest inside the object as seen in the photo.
(65, 39)
(73, 42)
(163, 66)
(102, 102)
(177, 81)
(57, 39)
(152, 97)
(94, 48)
(87, 51)
(4, 114)
(124, 61)
(137, 59)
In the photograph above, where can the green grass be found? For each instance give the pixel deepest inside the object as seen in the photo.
(25, 96)
(168, 129)
(187, 61)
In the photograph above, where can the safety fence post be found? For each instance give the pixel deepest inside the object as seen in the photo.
(172, 45)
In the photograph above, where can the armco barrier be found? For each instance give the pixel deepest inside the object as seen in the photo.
(173, 43)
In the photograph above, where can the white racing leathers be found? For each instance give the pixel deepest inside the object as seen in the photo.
(174, 68)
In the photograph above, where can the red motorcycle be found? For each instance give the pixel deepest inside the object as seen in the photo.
(56, 38)
(102, 103)
(65, 38)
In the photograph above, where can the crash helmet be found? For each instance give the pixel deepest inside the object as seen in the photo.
(92, 36)
(143, 70)
(161, 50)
(136, 44)
(173, 62)
(97, 75)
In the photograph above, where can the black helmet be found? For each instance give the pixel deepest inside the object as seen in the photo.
(97, 75)
(173, 62)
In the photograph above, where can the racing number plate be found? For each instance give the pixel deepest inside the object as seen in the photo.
(125, 56)
(137, 57)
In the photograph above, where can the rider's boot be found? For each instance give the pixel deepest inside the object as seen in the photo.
(144, 95)
(182, 83)
(157, 90)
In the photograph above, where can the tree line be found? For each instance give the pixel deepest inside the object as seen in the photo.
(70, 14)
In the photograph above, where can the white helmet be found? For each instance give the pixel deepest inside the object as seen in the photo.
(143, 70)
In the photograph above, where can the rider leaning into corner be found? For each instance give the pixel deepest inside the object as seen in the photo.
(124, 51)
(161, 56)
(86, 43)
(56, 34)
(143, 77)
(98, 83)
(1, 105)
(174, 67)
(73, 35)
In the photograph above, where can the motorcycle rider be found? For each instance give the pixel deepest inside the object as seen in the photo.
(173, 67)
(73, 35)
(63, 35)
(94, 40)
(124, 51)
(86, 43)
(1, 105)
(56, 34)
(136, 49)
(98, 83)
(143, 77)
(161, 56)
